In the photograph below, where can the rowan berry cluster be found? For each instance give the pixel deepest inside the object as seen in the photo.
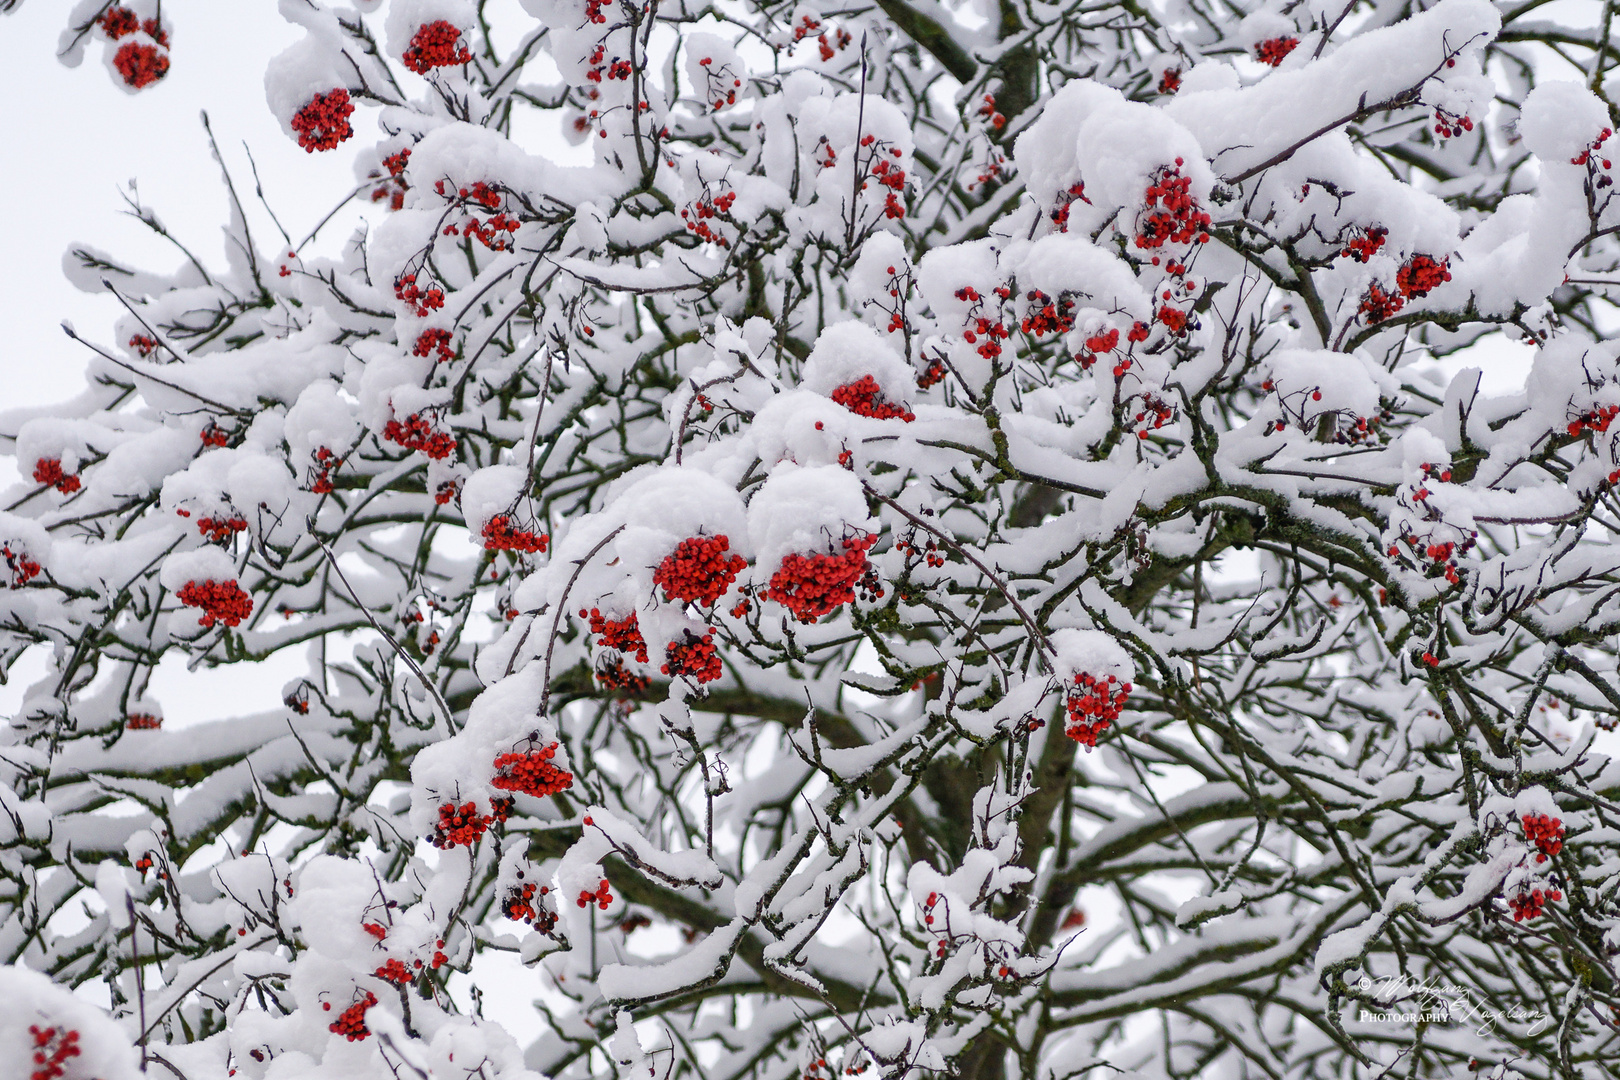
(118, 21)
(49, 471)
(693, 658)
(394, 971)
(1364, 243)
(881, 167)
(1378, 305)
(933, 373)
(706, 208)
(393, 187)
(1096, 345)
(1170, 81)
(143, 345)
(1093, 705)
(53, 1048)
(723, 83)
(140, 721)
(220, 601)
(21, 568)
(1047, 316)
(418, 433)
(614, 674)
(699, 571)
(436, 44)
(1441, 555)
(351, 1022)
(1597, 418)
(220, 529)
(1585, 156)
(1065, 199)
(459, 826)
(593, 11)
(1532, 904)
(434, 340)
(930, 552)
(1274, 51)
(140, 64)
(499, 535)
(214, 435)
(324, 121)
(1435, 472)
(1173, 319)
(1153, 415)
(320, 471)
(419, 300)
(623, 634)
(376, 930)
(864, 397)
(493, 234)
(531, 772)
(993, 331)
(812, 585)
(1171, 214)
(602, 897)
(1447, 124)
(522, 904)
(988, 111)
(1546, 833)
(1422, 274)
(898, 286)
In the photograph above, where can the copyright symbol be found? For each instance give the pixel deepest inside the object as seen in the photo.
(1364, 983)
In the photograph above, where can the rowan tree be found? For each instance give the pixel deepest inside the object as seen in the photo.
(944, 539)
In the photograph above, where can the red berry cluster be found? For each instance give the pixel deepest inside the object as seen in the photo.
(434, 340)
(420, 301)
(53, 1047)
(885, 171)
(593, 11)
(864, 397)
(1065, 199)
(699, 571)
(436, 44)
(376, 930)
(1441, 555)
(1436, 472)
(723, 83)
(393, 187)
(140, 721)
(140, 65)
(899, 286)
(988, 111)
(1364, 243)
(601, 897)
(1096, 345)
(621, 634)
(118, 21)
(320, 472)
(1421, 275)
(394, 971)
(1153, 415)
(1585, 156)
(1378, 305)
(324, 121)
(221, 529)
(1047, 316)
(705, 209)
(143, 345)
(1546, 833)
(418, 433)
(812, 585)
(1447, 124)
(1174, 319)
(531, 772)
(21, 567)
(49, 471)
(994, 331)
(1595, 419)
(930, 553)
(1275, 50)
(522, 905)
(214, 435)
(220, 601)
(828, 48)
(1532, 904)
(933, 373)
(351, 1022)
(459, 826)
(1093, 705)
(499, 535)
(693, 658)
(613, 674)
(1171, 215)
(1170, 81)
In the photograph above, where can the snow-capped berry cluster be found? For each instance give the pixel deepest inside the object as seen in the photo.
(351, 1022)
(1364, 243)
(144, 346)
(828, 48)
(393, 186)
(1378, 305)
(602, 897)
(118, 21)
(420, 301)
(1170, 80)
(323, 122)
(623, 635)
(1046, 315)
(812, 585)
(1093, 705)
(220, 530)
(500, 535)
(1066, 199)
(459, 825)
(722, 83)
(699, 571)
(1154, 413)
(434, 340)
(49, 471)
(881, 166)
(417, 432)
(394, 971)
(693, 658)
(220, 601)
(1171, 214)
(523, 904)
(142, 721)
(1421, 275)
(864, 397)
(614, 674)
(896, 289)
(1447, 124)
(138, 63)
(19, 567)
(1532, 903)
(319, 480)
(1097, 345)
(1274, 51)
(214, 435)
(711, 205)
(993, 331)
(53, 1048)
(988, 110)
(1546, 833)
(1598, 418)
(531, 772)
(436, 44)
